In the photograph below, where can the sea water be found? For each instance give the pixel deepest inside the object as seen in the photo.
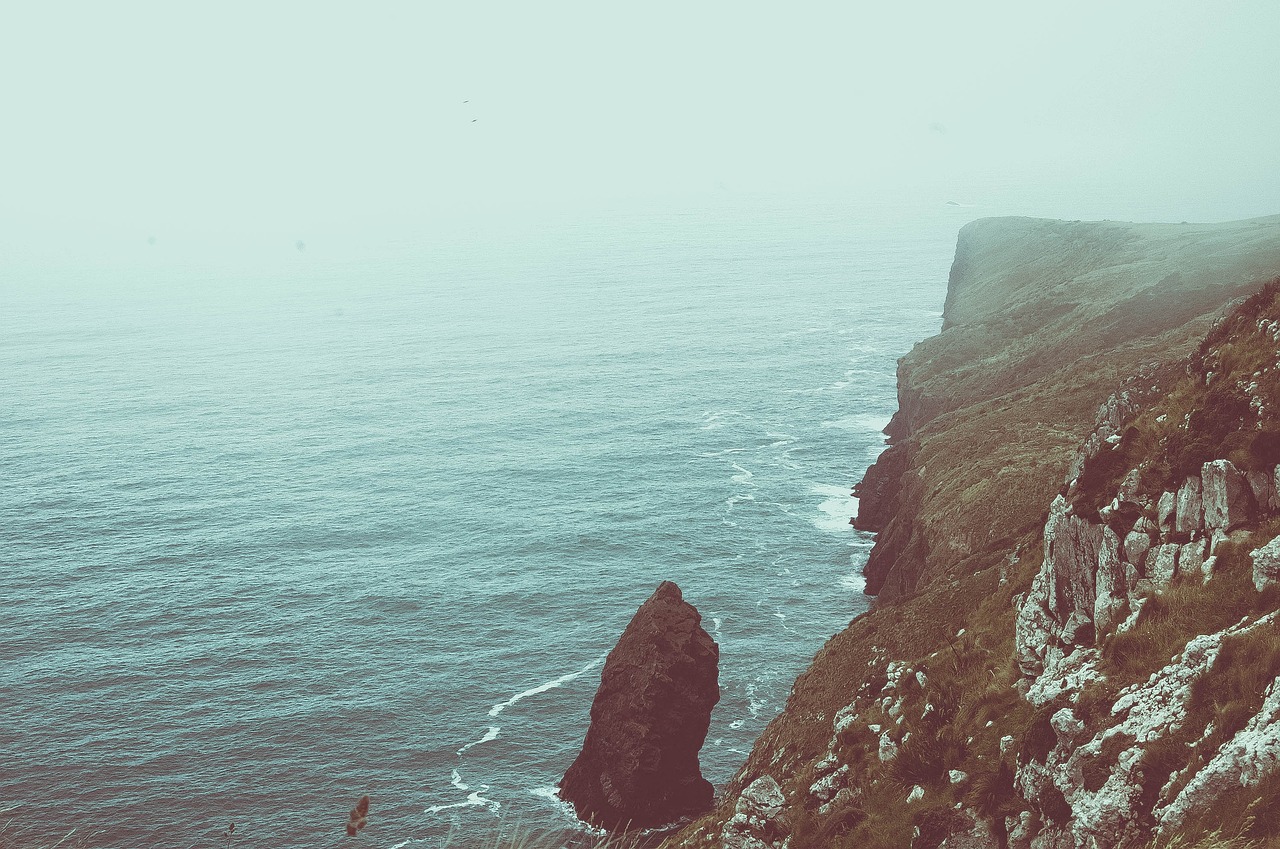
(278, 534)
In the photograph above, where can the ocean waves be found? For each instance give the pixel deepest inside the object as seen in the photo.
(267, 553)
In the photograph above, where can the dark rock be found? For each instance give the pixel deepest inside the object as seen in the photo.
(877, 492)
(639, 765)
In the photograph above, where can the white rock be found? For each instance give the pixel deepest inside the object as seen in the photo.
(1226, 496)
(1109, 815)
(762, 797)
(824, 789)
(1266, 564)
(827, 764)
(1166, 507)
(751, 825)
(1249, 757)
(1164, 566)
(1006, 743)
(888, 748)
(956, 775)
(1191, 558)
(1134, 610)
(1136, 544)
(916, 794)
(1188, 516)
(1111, 582)
(1065, 724)
(1263, 486)
(1064, 674)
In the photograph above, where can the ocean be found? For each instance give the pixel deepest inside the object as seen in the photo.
(280, 533)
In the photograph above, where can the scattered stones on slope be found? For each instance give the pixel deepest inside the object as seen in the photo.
(757, 822)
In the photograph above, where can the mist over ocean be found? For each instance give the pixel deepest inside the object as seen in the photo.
(278, 536)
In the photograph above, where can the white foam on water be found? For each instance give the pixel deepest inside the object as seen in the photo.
(715, 420)
(744, 476)
(736, 724)
(551, 794)
(474, 800)
(856, 582)
(710, 454)
(782, 619)
(866, 422)
(544, 687)
(456, 781)
(716, 622)
(491, 734)
(837, 508)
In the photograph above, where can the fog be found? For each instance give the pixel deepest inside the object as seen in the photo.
(286, 120)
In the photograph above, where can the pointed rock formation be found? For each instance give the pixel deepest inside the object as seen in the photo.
(639, 765)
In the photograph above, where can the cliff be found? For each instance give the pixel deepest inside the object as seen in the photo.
(1075, 641)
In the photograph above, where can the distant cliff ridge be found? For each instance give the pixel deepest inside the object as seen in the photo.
(1076, 641)
(1042, 319)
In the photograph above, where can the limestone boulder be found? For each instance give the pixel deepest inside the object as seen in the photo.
(1188, 517)
(1250, 756)
(1266, 565)
(757, 821)
(1163, 565)
(1226, 497)
(1262, 484)
(1166, 507)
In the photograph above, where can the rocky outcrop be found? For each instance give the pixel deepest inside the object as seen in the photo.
(639, 764)
(1266, 564)
(1112, 809)
(1028, 302)
(1227, 498)
(878, 489)
(757, 822)
(1077, 471)
(1250, 756)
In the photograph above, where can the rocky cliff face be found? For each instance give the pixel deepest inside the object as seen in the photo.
(1076, 642)
(1042, 320)
(639, 764)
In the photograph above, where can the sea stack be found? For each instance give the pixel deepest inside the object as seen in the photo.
(639, 765)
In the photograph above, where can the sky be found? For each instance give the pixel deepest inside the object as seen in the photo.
(284, 116)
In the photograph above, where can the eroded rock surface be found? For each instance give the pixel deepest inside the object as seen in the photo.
(639, 765)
